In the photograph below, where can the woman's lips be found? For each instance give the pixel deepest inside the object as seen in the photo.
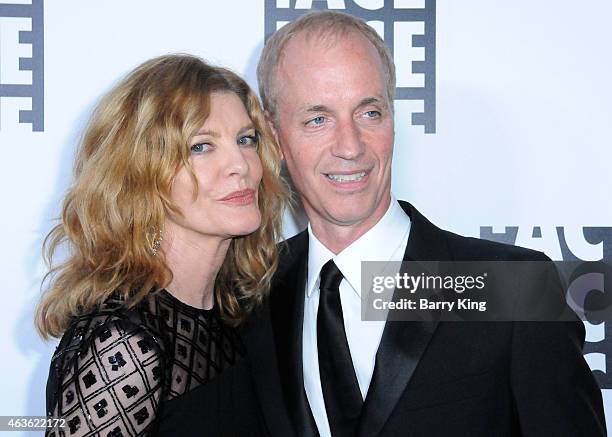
(242, 197)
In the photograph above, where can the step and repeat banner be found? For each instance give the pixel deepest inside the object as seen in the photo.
(503, 126)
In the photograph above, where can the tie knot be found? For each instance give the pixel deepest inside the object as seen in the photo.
(331, 276)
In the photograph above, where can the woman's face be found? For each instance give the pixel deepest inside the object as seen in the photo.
(225, 161)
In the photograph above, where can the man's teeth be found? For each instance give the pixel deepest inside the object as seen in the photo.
(347, 177)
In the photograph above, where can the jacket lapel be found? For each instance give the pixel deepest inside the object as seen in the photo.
(273, 339)
(261, 352)
(287, 315)
(403, 343)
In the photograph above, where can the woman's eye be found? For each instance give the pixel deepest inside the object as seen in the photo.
(248, 140)
(317, 121)
(200, 148)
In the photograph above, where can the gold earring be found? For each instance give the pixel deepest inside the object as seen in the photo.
(154, 239)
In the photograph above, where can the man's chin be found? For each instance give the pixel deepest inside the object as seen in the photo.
(357, 212)
(350, 216)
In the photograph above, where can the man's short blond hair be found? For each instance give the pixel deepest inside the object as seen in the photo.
(323, 24)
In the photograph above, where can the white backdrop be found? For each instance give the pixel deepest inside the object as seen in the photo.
(523, 128)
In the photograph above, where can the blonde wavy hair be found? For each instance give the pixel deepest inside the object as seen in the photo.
(137, 139)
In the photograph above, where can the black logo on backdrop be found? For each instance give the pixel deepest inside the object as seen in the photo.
(23, 25)
(595, 276)
(407, 31)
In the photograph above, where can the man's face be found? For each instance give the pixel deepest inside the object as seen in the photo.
(335, 128)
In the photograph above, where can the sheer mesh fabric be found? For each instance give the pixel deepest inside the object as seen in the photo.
(115, 368)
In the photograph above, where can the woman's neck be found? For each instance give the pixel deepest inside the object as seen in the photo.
(195, 260)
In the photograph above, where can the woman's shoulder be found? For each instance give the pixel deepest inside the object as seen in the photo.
(110, 324)
(107, 371)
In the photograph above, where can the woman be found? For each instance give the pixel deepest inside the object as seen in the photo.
(171, 226)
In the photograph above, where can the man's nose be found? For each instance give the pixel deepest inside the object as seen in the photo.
(348, 143)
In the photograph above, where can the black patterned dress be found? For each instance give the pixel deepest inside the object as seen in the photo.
(160, 368)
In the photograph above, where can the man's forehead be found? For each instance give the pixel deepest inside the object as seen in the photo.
(309, 45)
(310, 74)
(305, 62)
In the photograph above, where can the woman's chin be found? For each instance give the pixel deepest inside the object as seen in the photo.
(246, 227)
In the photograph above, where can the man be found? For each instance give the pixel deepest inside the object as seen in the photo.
(327, 82)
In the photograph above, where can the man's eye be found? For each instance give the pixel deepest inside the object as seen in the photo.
(372, 114)
(248, 140)
(200, 148)
(317, 121)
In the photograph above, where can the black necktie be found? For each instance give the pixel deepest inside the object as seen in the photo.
(341, 393)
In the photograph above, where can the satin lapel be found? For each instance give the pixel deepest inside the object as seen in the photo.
(403, 343)
(287, 315)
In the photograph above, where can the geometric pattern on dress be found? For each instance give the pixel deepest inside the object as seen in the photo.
(203, 345)
(115, 367)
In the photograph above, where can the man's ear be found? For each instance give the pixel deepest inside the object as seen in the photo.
(274, 130)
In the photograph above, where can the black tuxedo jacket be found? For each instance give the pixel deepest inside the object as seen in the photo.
(433, 378)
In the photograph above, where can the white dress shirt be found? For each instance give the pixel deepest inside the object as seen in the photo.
(386, 241)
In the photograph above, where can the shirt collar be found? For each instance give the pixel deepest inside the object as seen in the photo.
(380, 243)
